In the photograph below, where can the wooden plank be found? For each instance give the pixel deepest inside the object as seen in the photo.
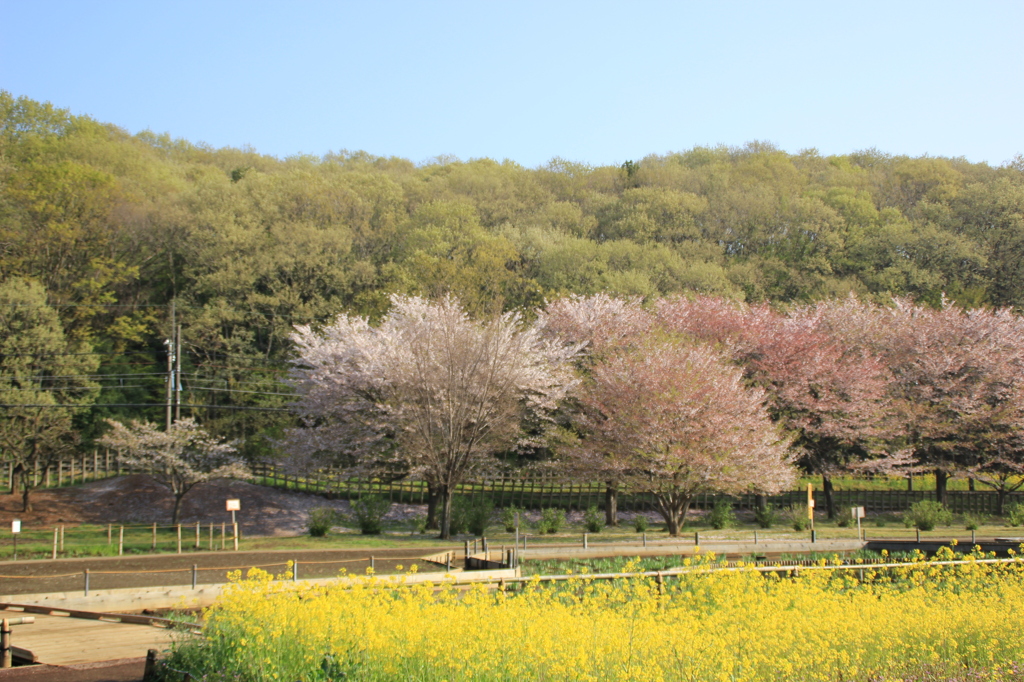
(71, 641)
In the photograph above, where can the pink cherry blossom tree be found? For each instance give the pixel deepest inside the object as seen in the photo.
(829, 392)
(674, 420)
(601, 325)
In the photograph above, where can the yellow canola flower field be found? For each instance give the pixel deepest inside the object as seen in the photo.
(917, 622)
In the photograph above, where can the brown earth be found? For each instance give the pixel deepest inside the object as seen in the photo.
(138, 499)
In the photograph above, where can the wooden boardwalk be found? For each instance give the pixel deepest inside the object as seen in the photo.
(60, 640)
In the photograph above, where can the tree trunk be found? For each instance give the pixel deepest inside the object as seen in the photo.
(446, 494)
(1000, 500)
(611, 504)
(16, 474)
(941, 478)
(433, 496)
(830, 501)
(177, 508)
(761, 502)
(970, 484)
(673, 509)
(26, 501)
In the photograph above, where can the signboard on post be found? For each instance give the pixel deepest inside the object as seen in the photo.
(233, 506)
(810, 504)
(858, 513)
(15, 529)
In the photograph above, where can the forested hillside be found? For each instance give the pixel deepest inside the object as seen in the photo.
(116, 227)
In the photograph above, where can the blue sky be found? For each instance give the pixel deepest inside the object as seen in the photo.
(595, 82)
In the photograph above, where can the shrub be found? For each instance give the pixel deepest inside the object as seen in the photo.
(844, 520)
(721, 515)
(926, 514)
(471, 514)
(640, 523)
(974, 521)
(766, 517)
(481, 509)
(592, 520)
(1016, 515)
(321, 520)
(369, 512)
(508, 517)
(551, 521)
(796, 516)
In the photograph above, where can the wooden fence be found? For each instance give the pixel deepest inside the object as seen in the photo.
(527, 492)
(539, 492)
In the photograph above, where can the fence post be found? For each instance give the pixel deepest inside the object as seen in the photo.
(179, 538)
(211, 537)
(110, 537)
(645, 539)
(154, 536)
(373, 566)
(696, 538)
(62, 538)
(295, 571)
(235, 525)
(584, 541)
(86, 574)
(223, 535)
(54, 556)
(195, 572)
(197, 535)
(120, 542)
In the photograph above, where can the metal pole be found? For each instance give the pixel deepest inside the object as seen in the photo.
(197, 535)
(120, 542)
(169, 344)
(179, 538)
(295, 571)
(62, 538)
(235, 528)
(195, 575)
(154, 537)
(54, 556)
(177, 374)
(86, 572)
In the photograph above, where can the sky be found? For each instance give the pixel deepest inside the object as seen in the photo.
(593, 82)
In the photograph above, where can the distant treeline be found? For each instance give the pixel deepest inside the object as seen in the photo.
(117, 226)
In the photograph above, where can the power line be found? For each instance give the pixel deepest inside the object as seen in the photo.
(232, 390)
(161, 405)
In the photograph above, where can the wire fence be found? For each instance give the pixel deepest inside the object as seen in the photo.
(117, 540)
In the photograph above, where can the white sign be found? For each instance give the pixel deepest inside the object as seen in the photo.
(857, 512)
(234, 505)
(16, 526)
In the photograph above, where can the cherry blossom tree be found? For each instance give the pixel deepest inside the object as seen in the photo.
(600, 324)
(180, 458)
(428, 391)
(674, 420)
(958, 385)
(827, 390)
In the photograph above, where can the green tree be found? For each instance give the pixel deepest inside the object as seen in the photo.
(44, 384)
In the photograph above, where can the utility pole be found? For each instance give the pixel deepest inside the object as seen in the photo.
(169, 344)
(177, 374)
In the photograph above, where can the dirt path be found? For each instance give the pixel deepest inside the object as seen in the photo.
(42, 576)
